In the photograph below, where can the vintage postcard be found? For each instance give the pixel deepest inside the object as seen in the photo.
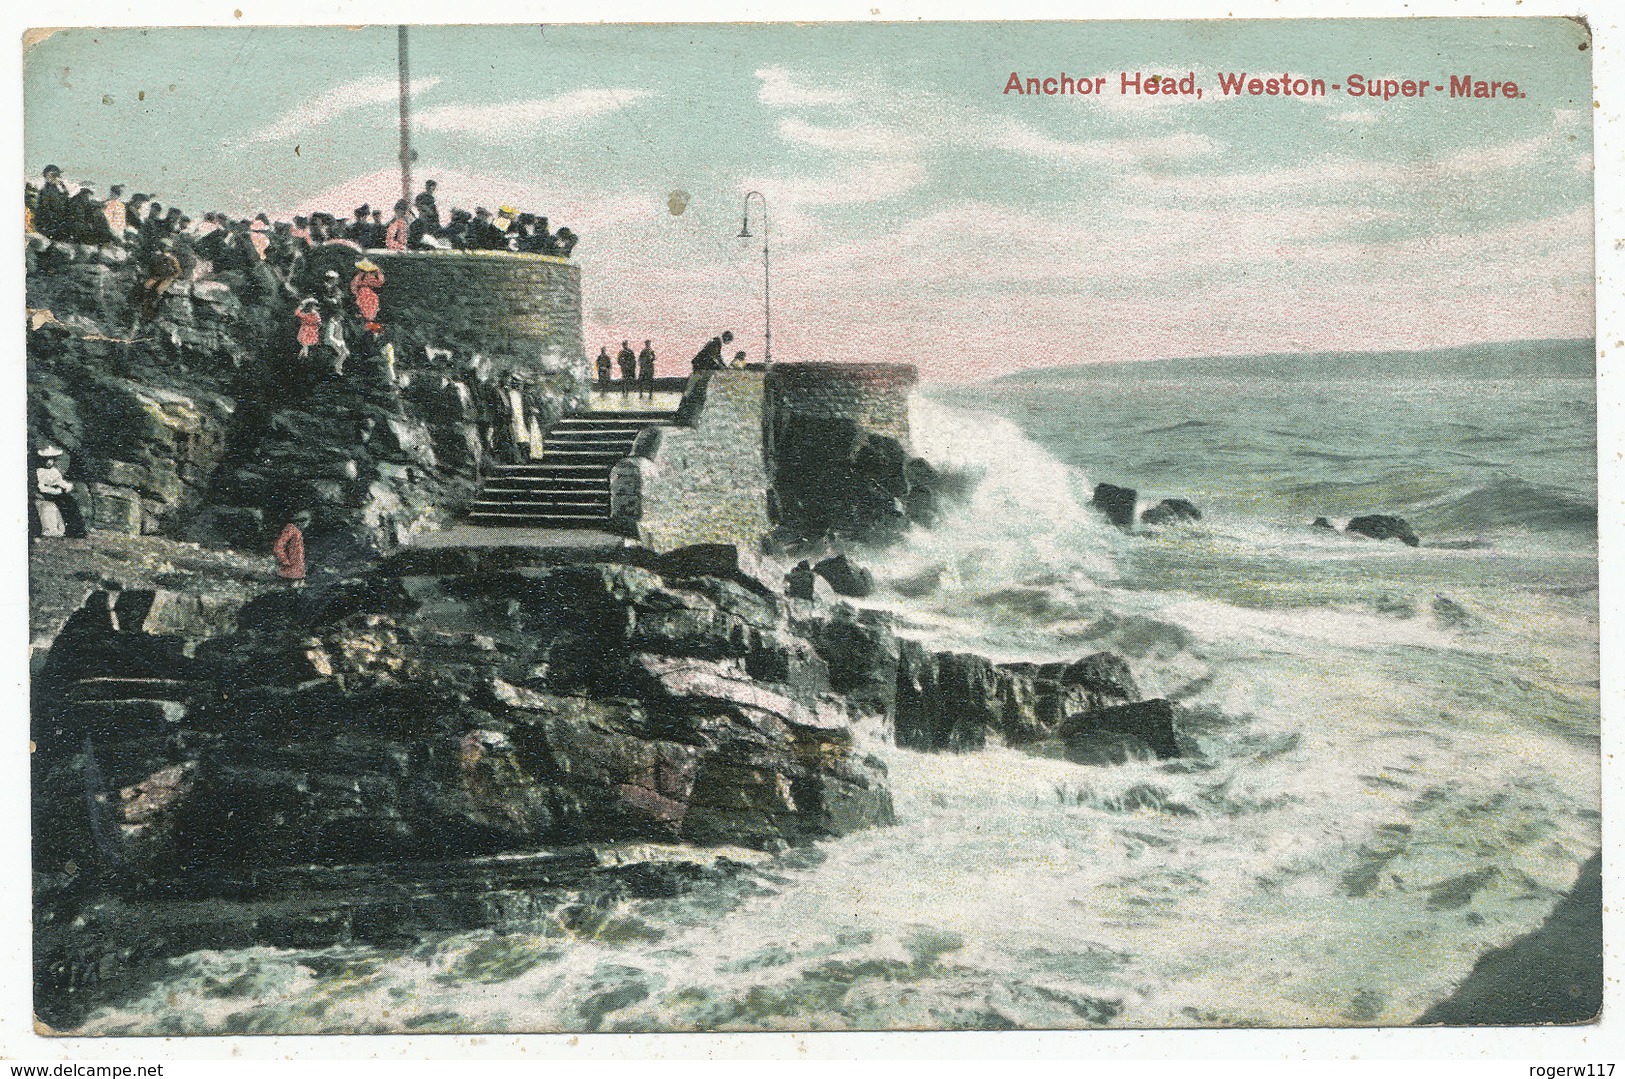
(801, 527)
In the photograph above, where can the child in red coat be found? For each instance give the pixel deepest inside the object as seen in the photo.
(310, 325)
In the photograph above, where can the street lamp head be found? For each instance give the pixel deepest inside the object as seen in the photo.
(744, 228)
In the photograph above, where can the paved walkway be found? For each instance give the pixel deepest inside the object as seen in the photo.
(478, 536)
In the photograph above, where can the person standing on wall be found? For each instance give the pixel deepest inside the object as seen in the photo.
(289, 550)
(396, 235)
(627, 360)
(428, 213)
(646, 371)
(603, 365)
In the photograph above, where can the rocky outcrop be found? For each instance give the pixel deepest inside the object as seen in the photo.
(833, 478)
(1383, 526)
(1117, 503)
(436, 716)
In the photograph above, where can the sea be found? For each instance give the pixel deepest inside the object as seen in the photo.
(1398, 747)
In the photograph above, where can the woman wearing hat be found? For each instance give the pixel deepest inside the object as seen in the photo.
(55, 511)
(310, 326)
(364, 287)
(289, 550)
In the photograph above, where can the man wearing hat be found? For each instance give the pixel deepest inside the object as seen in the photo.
(55, 511)
(89, 224)
(428, 212)
(373, 234)
(485, 236)
(358, 228)
(51, 214)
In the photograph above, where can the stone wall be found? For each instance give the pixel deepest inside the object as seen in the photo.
(709, 483)
(872, 395)
(490, 301)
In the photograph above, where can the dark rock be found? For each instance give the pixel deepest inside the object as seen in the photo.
(862, 654)
(945, 700)
(1384, 526)
(1152, 723)
(1105, 675)
(800, 581)
(846, 577)
(1117, 503)
(1320, 522)
(1171, 511)
(724, 560)
(834, 477)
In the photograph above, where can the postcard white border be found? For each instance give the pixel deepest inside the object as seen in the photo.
(1220, 1052)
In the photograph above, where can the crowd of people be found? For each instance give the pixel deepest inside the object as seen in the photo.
(222, 241)
(303, 261)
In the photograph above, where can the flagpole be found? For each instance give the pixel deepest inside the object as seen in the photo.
(406, 119)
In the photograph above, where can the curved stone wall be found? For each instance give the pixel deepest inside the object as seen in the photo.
(872, 395)
(484, 301)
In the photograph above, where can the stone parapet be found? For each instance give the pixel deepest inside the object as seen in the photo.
(872, 395)
(493, 301)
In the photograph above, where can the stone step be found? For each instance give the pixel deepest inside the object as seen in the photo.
(582, 457)
(543, 509)
(588, 438)
(620, 414)
(549, 483)
(538, 520)
(565, 468)
(522, 491)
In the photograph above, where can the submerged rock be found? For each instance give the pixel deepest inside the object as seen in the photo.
(1320, 522)
(1171, 511)
(1384, 526)
(1117, 503)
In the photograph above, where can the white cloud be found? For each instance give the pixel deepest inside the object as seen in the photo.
(863, 138)
(511, 120)
(782, 87)
(872, 182)
(1022, 139)
(324, 108)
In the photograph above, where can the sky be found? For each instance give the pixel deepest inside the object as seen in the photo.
(918, 213)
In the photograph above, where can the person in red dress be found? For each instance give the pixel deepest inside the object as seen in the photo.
(364, 287)
(289, 550)
(310, 326)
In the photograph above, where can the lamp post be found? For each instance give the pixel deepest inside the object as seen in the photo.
(767, 295)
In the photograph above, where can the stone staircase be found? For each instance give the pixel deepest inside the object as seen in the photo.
(569, 486)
